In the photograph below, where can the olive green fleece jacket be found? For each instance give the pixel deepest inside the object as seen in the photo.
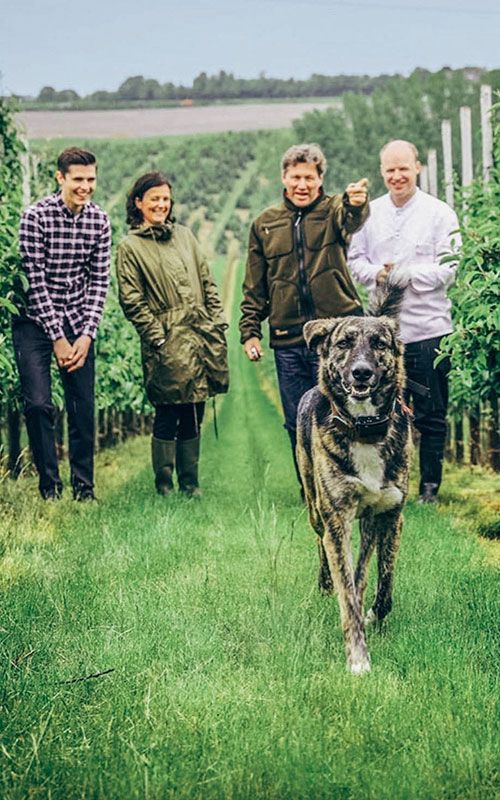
(167, 292)
(296, 268)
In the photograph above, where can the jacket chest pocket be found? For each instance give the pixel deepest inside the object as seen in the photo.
(424, 251)
(277, 239)
(319, 232)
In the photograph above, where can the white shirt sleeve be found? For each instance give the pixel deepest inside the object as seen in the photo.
(358, 258)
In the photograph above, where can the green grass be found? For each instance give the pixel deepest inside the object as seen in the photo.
(228, 673)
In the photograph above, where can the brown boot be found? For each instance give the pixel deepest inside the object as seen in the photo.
(163, 457)
(187, 457)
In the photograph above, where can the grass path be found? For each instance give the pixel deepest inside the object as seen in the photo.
(227, 669)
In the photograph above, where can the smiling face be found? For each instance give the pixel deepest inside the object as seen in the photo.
(302, 184)
(155, 204)
(77, 185)
(360, 358)
(399, 168)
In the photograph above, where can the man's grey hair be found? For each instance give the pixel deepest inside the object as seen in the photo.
(400, 141)
(304, 154)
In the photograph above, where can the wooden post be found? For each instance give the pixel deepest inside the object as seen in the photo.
(459, 438)
(467, 178)
(14, 435)
(475, 434)
(486, 132)
(424, 178)
(24, 159)
(494, 433)
(466, 142)
(448, 162)
(432, 168)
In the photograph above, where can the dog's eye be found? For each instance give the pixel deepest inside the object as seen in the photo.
(378, 344)
(343, 344)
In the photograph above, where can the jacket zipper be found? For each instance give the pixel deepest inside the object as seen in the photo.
(305, 296)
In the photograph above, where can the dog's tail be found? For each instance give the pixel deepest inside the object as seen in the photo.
(387, 299)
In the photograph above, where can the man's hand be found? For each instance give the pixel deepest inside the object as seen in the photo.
(80, 352)
(63, 351)
(382, 275)
(253, 348)
(358, 192)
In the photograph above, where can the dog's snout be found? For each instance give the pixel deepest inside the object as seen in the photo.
(362, 372)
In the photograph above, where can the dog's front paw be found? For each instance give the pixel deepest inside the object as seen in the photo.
(359, 666)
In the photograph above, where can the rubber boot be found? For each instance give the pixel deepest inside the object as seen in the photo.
(163, 457)
(188, 455)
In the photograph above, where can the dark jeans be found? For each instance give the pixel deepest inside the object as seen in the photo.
(178, 421)
(429, 409)
(33, 352)
(297, 369)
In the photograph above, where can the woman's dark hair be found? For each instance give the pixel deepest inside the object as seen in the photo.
(139, 189)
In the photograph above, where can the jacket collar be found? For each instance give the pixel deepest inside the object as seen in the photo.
(303, 209)
(157, 232)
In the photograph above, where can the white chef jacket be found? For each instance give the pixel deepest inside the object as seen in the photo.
(414, 236)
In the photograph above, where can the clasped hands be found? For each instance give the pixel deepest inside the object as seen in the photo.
(72, 356)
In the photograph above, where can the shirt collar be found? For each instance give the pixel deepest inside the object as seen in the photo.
(409, 203)
(63, 208)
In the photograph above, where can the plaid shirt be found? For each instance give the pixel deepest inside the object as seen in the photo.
(66, 259)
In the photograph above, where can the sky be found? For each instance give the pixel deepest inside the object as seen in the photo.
(97, 44)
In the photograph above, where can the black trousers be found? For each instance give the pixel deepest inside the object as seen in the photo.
(429, 406)
(33, 352)
(178, 421)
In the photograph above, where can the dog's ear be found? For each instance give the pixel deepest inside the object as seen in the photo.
(393, 326)
(316, 330)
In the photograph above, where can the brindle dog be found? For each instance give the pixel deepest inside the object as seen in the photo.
(353, 451)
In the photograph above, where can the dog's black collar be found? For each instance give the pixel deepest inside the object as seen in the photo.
(368, 430)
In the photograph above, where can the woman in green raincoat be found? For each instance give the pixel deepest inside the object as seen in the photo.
(167, 292)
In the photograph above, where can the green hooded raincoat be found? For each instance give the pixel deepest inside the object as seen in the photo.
(167, 292)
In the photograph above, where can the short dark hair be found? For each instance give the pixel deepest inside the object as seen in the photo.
(137, 192)
(74, 155)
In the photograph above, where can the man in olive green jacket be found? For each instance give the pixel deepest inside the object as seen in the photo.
(297, 271)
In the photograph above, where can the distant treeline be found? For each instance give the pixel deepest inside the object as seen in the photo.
(140, 91)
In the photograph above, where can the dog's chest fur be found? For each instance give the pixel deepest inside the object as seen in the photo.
(369, 467)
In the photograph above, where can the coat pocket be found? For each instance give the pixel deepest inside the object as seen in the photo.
(319, 231)
(215, 358)
(173, 373)
(277, 238)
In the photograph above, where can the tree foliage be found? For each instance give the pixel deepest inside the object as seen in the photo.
(11, 276)
(475, 343)
(141, 91)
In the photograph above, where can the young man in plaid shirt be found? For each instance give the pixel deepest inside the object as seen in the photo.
(65, 242)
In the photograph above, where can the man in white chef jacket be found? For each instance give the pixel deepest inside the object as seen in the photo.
(408, 232)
